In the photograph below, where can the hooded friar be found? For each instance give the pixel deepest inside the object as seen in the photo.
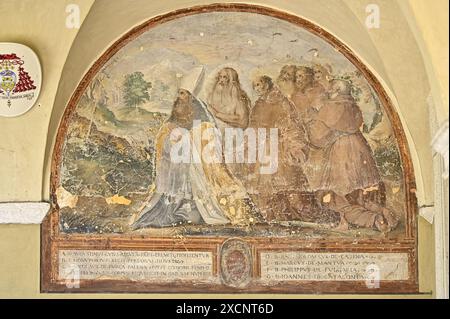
(348, 170)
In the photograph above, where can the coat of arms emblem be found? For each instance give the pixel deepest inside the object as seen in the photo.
(13, 77)
(20, 79)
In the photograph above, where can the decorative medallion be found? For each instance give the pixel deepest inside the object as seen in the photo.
(20, 79)
(236, 263)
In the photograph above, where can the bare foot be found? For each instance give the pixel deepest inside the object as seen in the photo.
(381, 224)
(390, 217)
(343, 224)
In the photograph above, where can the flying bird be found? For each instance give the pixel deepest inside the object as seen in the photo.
(314, 51)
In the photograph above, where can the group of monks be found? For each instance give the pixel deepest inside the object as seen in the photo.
(326, 170)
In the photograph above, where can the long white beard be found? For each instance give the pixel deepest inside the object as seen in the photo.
(225, 98)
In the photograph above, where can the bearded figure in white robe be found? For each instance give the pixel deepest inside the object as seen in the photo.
(192, 191)
(228, 102)
(230, 106)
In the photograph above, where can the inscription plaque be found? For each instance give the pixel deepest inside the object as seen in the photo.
(137, 265)
(304, 266)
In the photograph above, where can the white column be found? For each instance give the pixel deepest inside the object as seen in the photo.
(441, 209)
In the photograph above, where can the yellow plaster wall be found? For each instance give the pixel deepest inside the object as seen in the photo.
(427, 19)
(392, 52)
(41, 25)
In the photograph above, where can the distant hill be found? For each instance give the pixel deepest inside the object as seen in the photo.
(134, 114)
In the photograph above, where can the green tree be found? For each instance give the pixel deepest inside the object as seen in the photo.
(135, 89)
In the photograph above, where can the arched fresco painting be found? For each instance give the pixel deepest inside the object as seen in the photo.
(235, 122)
